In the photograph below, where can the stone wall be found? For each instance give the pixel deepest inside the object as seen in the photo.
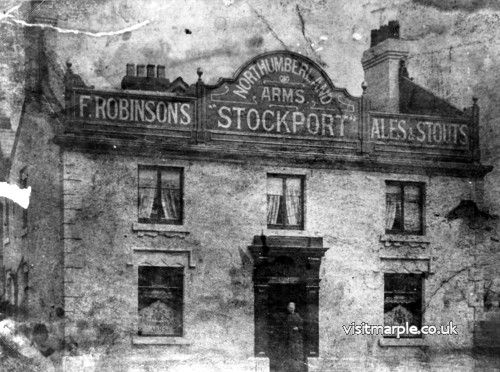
(225, 206)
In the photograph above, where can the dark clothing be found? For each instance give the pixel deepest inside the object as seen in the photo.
(294, 348)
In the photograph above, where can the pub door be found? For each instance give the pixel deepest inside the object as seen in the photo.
(285, 345)
(286, 269)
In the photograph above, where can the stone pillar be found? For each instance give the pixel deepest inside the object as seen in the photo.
(312, 330)
(312, 293)
(261, 339)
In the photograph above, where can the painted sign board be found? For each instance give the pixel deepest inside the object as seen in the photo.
(165, 111)
(281, 100)
(282, 94)
(423, 131)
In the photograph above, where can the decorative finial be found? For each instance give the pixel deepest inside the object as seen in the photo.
(199, 71)
(364, 86)
(68, 65)
(474, 100)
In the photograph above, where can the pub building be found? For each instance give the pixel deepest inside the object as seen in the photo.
(171, 225)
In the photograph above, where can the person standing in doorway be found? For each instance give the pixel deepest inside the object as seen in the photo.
(293, 327)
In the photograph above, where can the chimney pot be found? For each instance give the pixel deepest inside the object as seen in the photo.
(130, 69)
(151, 71)
(160, 71)
(141, 70)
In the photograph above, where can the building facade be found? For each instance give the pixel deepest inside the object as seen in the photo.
(171, 224)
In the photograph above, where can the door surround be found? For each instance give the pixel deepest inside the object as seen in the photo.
(286, 259)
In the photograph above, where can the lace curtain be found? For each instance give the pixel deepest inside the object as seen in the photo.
(170, 197)
(393, 206)
(160, 301)
(274, 194)
(170, 194)
(412, 218)
(292, 201)
(147, 190)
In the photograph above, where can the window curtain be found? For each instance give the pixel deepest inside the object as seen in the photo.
(170, 194)
(147, 189)
(274, 194)
(393, 206)
(399, 315)
(170, 202)
(293, 202)
(413, 215)
(160, 301)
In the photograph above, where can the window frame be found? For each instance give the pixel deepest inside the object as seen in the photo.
(181, 301)
(158, 169)
(401, 185)
(284, 177)
(422, 277)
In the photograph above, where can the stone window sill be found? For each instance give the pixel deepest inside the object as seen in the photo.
(145, 340)
(402, 342)
(404, 238)
(157, 228)
(412, 241)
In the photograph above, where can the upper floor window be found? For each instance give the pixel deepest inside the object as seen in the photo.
(160, 195)
(160, 301)
(403, 300)
(285, 202)
(404, 208)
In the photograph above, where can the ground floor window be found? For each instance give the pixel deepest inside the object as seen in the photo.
(403, 300)
(160, 301)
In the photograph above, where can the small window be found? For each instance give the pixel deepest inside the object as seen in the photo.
(160, 301)
(403, 300)
(160, 195)
(404, 208)
(285, 202)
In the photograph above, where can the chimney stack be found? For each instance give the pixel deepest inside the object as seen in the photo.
(381, 64)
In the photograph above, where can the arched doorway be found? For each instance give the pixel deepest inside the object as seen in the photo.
(286, 269)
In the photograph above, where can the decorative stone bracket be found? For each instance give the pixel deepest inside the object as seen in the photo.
(188, 252)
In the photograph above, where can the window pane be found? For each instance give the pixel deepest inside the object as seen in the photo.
(274, 195)
(171, 203)
(413, 209)
(160, 204)
(393, 217)
(147, 178)
(146, 200)
(274, 186)
(160, 301)
(403, 300)
(293, 201)
(273, 210)
(171, 179)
